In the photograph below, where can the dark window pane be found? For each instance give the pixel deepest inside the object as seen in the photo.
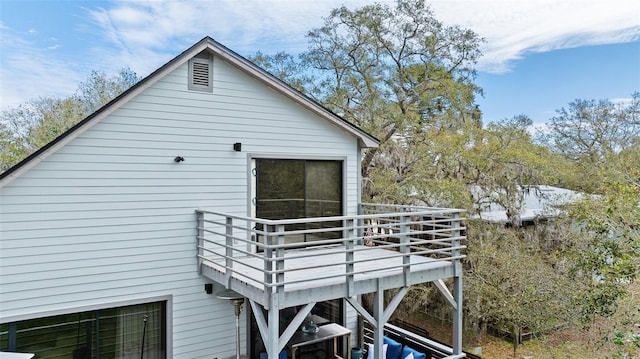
(4, 337)
(280, 189)
(108, 333)
(288, 189)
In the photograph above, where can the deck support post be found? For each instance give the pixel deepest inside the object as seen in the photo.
(457, 315)
(456, 344)
(274, 327)
(378, 314)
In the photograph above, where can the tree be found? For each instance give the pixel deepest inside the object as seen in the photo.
(285, 67)
(401, 75)
(27, 127)
(406, 78)
(514, 283)
(608, 249)
(600, 142)
(591, 134)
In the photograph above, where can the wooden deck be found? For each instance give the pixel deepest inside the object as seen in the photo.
(262, 260)
(319, 273)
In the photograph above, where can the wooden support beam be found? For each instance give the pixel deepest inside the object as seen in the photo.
(294, 325)
(445, 292)
(256, 309)
(393, 305)
(363, 312)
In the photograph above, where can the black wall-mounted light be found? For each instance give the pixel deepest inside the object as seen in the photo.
(178, 159)
(237, 146)
(208, 288)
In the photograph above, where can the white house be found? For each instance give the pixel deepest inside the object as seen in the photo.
(540, 202)
(118, 238)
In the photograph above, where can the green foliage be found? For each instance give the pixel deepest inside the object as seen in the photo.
(285, 67)
(27, 127)
(608, 250)
(398, 73)
(513, 283)
(592, 136)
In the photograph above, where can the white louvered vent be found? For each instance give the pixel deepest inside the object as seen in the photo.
(200, 73)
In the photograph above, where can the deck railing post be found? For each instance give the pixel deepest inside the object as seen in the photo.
(228, 250)
(360, 222)
(455, 234)
(349, 255)
(268, 264)
(405, 249)
(280, 262)
(200, 238)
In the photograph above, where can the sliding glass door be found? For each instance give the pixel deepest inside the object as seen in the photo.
(293, 188)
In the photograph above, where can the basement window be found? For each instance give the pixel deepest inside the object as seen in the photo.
(201, 73)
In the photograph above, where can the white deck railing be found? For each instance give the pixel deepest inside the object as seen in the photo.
(273, 254)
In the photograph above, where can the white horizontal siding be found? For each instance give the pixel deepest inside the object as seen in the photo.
(110, 217)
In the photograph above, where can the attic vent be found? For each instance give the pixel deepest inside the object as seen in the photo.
(200, 74)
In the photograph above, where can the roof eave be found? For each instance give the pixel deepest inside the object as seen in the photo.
(365, 140)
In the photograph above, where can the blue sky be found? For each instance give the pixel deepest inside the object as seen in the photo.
(539, 55)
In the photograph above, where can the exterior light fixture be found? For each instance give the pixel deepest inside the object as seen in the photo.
(178, 159)
(237, 146)
(208, 288)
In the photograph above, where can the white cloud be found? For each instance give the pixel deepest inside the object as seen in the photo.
(145, 34)
(514, 28)
(27, 69)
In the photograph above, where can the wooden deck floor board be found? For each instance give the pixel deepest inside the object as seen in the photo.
(327, 266)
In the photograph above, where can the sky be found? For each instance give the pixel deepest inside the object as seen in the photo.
(538, 55)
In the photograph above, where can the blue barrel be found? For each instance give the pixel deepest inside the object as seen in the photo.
(356, 353)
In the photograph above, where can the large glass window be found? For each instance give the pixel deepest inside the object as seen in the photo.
(125, 332)
(287, 189)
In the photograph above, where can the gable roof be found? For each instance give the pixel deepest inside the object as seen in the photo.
(207, 43)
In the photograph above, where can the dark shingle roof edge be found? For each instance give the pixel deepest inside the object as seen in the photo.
(366, 139)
